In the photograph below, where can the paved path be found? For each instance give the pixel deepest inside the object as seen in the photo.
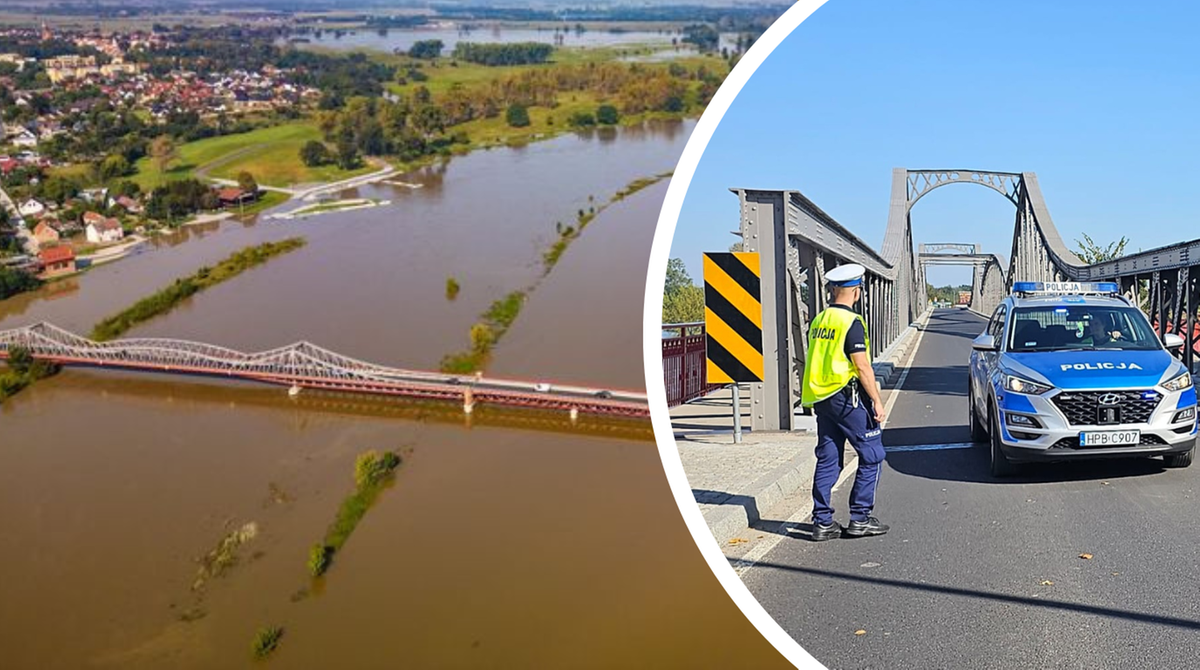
(981, 573)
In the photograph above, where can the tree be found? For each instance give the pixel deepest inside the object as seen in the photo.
(677, 276)
(114, 166)
(582, 120)
(20, 359)
(517, 116)
(1090, 252)
(685, 305)
(607, 115)
(162, 153)
(427, 49)
(58, 189)
(347, 154)
(314, 153)
(683, 301)
(429, 120)
(246, 182)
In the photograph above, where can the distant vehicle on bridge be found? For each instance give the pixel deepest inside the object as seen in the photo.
(1074, 370)
(964, 299)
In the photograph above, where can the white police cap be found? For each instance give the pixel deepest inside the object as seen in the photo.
(846, 276)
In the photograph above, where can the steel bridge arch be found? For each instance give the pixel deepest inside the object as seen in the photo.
(921, 182)
(798, 242)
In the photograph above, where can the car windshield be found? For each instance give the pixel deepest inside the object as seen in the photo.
(1080, 327)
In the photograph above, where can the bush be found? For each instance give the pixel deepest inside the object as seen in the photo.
(371, 468)
(319, 558)
(517, 116)
(607, 115)
(315, 154)
(582, 120)
(265, 641)
(482, 337)
(452, 288)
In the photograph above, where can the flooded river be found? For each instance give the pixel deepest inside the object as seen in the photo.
(499, 544)
(660, 44)
(403, 39)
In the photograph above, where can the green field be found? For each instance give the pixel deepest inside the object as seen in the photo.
(544, 122)
(272, 155)
(443, 76)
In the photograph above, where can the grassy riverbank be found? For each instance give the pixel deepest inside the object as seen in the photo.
(271, 154)
(166, 299)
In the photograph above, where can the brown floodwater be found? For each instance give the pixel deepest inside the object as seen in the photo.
(505, 541)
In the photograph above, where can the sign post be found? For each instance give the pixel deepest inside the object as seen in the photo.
(733, 324)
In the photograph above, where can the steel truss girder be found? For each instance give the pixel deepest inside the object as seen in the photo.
(308, 365)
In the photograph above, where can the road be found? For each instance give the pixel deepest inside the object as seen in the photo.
(984, 573)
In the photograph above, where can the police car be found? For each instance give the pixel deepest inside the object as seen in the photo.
(1066, 371)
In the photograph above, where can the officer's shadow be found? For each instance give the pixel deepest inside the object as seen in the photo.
(753, 516)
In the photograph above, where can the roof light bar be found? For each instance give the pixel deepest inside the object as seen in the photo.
(1065, 288)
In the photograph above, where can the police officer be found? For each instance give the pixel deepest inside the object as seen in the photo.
(839, 385)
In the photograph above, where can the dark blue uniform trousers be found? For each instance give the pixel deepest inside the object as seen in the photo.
(839, 419)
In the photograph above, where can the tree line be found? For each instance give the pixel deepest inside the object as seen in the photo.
(517, 53)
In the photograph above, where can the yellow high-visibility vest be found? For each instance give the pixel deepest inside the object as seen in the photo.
(827, 368)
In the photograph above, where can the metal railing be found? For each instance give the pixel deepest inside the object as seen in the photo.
(685, 373)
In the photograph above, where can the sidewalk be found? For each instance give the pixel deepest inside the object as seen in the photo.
(734, 484)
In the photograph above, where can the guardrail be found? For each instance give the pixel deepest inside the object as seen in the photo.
(685, 373)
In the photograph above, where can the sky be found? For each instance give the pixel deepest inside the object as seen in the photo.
(1100, 99)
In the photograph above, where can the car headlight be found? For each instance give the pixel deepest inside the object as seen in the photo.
(1179, 383)
(1019, 385)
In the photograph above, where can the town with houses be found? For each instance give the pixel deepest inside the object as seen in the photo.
(52, 232)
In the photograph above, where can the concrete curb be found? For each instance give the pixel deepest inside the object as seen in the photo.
(734, 519)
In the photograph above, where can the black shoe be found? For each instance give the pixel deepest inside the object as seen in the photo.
(871, 526)
(821, 533)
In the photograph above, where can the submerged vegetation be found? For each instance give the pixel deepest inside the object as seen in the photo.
(215, 562)
(568, 234)
(452, 288)
(23, 370)
(372, 472)
(266, 640)
(166, 299)
(485, 334)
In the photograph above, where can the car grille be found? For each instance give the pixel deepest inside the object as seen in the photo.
(1073, 442)
(1082, 407)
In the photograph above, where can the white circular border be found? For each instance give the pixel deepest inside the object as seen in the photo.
(652, 332)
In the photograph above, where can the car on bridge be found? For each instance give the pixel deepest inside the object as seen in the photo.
(1068, 371)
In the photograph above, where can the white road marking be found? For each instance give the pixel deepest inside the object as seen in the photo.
(930, 447)
(758, 551)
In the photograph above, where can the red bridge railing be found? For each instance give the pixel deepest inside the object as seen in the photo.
(684, 371)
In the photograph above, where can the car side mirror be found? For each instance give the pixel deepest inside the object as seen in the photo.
(1172, 341)
(985, 342)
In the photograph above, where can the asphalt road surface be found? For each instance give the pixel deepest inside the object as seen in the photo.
(985, 573)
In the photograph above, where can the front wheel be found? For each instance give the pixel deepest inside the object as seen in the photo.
(1001, 466)
(1179, 460)
(978, 434)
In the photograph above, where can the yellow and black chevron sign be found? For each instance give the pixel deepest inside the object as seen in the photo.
(733, 317)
